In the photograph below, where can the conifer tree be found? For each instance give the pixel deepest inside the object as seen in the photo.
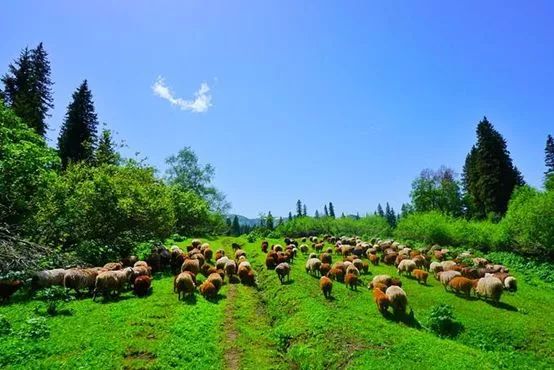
(78, 133)
(331, 210)
(290, 216)
(316, 213)
(298, 208)
(235, 228)
(105, 153)
(325, 211)
(380, 210)
(549, 156)
(269, 221)
(304, 210)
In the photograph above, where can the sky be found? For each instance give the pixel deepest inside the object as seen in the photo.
(341, 101)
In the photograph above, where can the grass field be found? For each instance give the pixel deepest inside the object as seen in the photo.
(283, 326)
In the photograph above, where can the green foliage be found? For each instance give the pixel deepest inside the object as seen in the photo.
(5, 326)
(35, 328)
(105, 152)
(441, 321)
(534, 270)
(549, 156)
(26, 165)
(436, 191)
(306, 226)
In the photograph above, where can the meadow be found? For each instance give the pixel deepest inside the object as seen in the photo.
(280, 326)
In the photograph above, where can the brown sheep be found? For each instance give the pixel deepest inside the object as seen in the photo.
(324, 269)
(326, 286)
(208, 254)
(113, 266)
(351, 280)
(336, 274)
(142, 285)
(420, 275)
(270, 262)
(184, 283)
(380, 286)
(265, 246)
(9, 287)
(460, 284)
(381, 299)
(374, 259)
(208, 289)
(326, 258)
(219, 253)
(283, 271)
(389, 259)
(216, 280)
(192, 265)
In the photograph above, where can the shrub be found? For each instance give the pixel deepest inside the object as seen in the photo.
(306, 226)
(35, 328)
(441, 321)
(5, 326)
(54, 297)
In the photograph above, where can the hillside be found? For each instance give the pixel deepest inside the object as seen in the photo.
(283, 326)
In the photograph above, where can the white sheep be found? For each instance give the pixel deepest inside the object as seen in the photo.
(406, 266)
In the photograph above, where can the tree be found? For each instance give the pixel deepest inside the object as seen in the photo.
(304, 210)
(184, 169)
(489, 176)
(379, 211)
(290, 216)
(298, 208)
(280, 221)
(331, 210)
(316, 213)
(357, 215)
(405, 210)
(325, 211)
(235, 227)
(28, 88)
(437, 191)
(78, 133)
(549, 156)
(269, 221)
(390, 215)
(105, 152)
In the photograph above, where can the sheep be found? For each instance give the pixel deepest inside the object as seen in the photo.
(304, 249)
(283, 270)
(461, 284)
(380, 279)
(510, 283)
(111, 281)
(247, 276)
(230, 268)
(374, 259)
(113, 266)
(420, 275)
(446, 276)
(326, 258)
(270, 262)
(221, 262)
(216, 280)
(435, 268)
(358, 263)
(390, 258)
(324, 269)
(192, 265)
(176, 260)
(184, 283)
(352, 270)
(196, 243)
(351, 280)
(265, 246)
(8, 288)
(313, 265)
(208, 290)
(208, 254)
(489, 287)
(142, 285)
(277, 248)
(129, 261)
(140, 271)
(397, 298)
(448, 265)
(199, 257)
(381, 299)
(336, 274)
(381, 287)
(219, 253)
(480, 262)
(470, 273)
(239, 253)
(140, 263)
(406, 266)
(365, 267)
(78, 279)
(326, 286)
(47, 278)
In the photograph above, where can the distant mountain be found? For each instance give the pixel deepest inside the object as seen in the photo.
(245, 220)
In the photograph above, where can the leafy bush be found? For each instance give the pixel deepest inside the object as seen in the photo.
(5, 326)
(54, 297)
(306, 226)
(441, 321)
(529, 267)
(35, 328)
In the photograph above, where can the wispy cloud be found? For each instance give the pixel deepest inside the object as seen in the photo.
(202, 98)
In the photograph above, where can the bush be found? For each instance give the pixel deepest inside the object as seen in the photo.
(306, 226)
(441, 321)
(54, 297)
(5, 326)
(35, 328)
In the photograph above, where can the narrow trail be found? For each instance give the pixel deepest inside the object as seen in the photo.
(232, 353)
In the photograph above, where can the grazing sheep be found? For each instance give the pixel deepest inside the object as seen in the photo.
(374, 259)
(239, 253)
(142, 285)
(351, 269)
(398, 299)
(283, 270)
(326, 258)
(129, 261)
(140, 271)
(336, 274)
(489, 287)
(381, 287)
(326, 286)
(219, 253)
(265, 246)
(277, 248)
(510, 283)
(78, 279)
(304, 249)
(113, 266)
(196, 243)
(324, 269)
(420, 275)
(420, 261)
(184, 283)
(208, 254)
(460, 284)
(48, 278)
(365, 267)
(470, 273)
(448, 265)
(216, 280)
(208, 289)
(270, 262)
(221, 262)
(358, 263)
(380, 279)
(351, 280)
(140, 263)
(390, 258)
(435, 268)
(230, 268)
(192, 265)
(110, 282)
(406, 266)
(313, 266)
(200, 257)
(381, 299)
(480, 262)
(8, 288)
(235, 246)
(446, 276)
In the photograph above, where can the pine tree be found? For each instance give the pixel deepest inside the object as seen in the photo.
(298, 208)
(331, 210)
(280, 221)
(105, 153)
(357, 215)
(269, 221)
(380, 210)
(390, 215)
(290, 216)
(78, 132)
(235, 228)
(28, 88)
(325, 211)
(304, 210)
(316, 213)
(489, 175)
(229, 225)
(549, 156)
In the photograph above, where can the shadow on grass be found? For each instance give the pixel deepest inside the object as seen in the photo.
(288, 282)
(190, 299)
(110, 300)
(216, 299)
(406, 318)
(502, 305)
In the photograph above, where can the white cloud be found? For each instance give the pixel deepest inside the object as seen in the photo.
(202, 98)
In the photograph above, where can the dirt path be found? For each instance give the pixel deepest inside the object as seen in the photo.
(232, 353)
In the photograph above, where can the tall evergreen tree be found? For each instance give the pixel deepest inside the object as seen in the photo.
(28, 88)
(290, 216)
(380, 210)
(331, 210)
(489, 175)
(235, 227)
(549, 156)
(78, 133)
(269, 221)
(390, 215)
(304, 210)
(357, 215)
(280, 221)
(105, 153)
(325, 211)
(316, 213)
(298, 208)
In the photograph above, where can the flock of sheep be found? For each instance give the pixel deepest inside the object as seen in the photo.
(461, 273)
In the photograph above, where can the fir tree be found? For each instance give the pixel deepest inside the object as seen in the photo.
(379, 211)
(316, 213)
(298, 208)
(390, 215)
(235, 228)
(269, 221)
(331, 210)
(28, 88)
(78, 132)
(290, 216)
(549, 156)
(357, 215)
(489, 175)
(304, 210)
(280, 221)
(325, 211)
(105, 153)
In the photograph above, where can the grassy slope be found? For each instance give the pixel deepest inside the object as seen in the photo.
(282, 326)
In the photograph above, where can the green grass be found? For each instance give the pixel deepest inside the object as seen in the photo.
(285, 326)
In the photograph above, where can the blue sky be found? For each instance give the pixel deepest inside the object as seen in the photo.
(342, 101)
